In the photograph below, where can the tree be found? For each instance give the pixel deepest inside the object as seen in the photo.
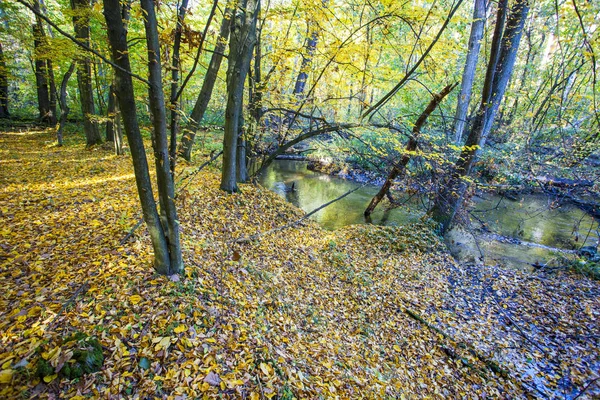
(81, 24)
(62, 101)
(189, 132)
(411, 146)
(44, 75)
(241, 46)
(505, 44)
(167, 253)
(466, 85)
(3, 87)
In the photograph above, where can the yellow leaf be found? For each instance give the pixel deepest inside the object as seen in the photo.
(50, 378)
(164, 343)
(397, 348)
(6, 375)
(180, 328)
(136, 298)
(266, 369)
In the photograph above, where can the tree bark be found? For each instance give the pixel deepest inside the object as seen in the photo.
(411, 146)
(505, 44)
(46, 107)
(117, 36)
(64, 107)
(110, 114)
(81, 25)
(175, 85)
(468, 76)
(3, 87)
(164, 179)
(241, 46)
(189, 132)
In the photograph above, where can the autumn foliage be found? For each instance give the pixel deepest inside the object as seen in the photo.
(362, 312)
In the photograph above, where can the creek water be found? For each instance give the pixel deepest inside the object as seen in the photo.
(526, 231)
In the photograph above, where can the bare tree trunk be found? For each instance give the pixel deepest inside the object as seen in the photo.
(110, 114)
(117, 36)
(3, 87)
(81, 24)
(505, 44)
(164, 179)
(64, 107)
(175, 109)
(466, 85)
(189, 132)
(411, 146)
(241, 46)
(42, 77)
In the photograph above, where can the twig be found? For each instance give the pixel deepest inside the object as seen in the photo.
(82, 289)
(132, 231)
(586, 387)
(256, 236)
(194, 172)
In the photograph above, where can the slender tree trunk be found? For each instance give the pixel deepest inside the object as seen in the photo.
(64, 107)
(411, 146)
(81, 24)
(241, 46)
(189, 132)
(309, 50)
(175, 109)
(110, 114)
(164, 179)
(505, 44)
(47, 112)
(468, 76)
(3, 87)
(117, 36)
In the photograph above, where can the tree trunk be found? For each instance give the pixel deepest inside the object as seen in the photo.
(3, 87)
(81, 25)
(468, 76)
(189, 132)
(505, 44)
(42, 77)
(175, 85)
(64, 107)
(411, 146)
(241, 46)
(117, 36)
(110, 114)
(164, 179)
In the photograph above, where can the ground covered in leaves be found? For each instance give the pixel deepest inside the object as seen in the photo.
(362, 312)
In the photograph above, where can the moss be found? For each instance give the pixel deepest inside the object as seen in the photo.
(87, 358)
(43, 368)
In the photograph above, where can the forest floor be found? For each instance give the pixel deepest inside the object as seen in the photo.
(361, 312)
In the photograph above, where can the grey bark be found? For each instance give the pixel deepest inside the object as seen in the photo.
(110, 114)
(81, 26)
(189, 132)
(505, 44)
(164, 179)
(241, 46)
(64, 107)
(117, 35)
(466, 86)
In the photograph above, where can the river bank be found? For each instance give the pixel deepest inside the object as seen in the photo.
(299, 313)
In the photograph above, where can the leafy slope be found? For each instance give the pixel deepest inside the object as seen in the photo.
(303, 313)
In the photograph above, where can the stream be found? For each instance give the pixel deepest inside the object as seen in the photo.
(524, 232)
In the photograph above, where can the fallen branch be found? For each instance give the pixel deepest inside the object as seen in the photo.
(82, 289)
(258, 235)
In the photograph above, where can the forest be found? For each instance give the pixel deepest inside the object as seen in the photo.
(291, 199)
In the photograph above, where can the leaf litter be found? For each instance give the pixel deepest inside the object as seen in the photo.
(361, 312)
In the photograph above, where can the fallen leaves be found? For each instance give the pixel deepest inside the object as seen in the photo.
(305, 313)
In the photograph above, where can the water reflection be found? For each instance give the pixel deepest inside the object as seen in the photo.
(313, 189)
(532, 219)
